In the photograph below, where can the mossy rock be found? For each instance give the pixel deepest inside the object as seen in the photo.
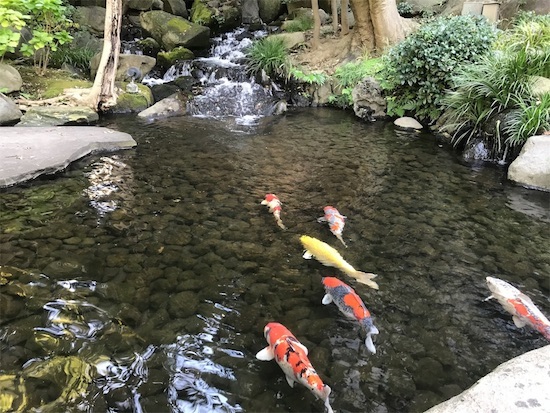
(167, 59)
(201, 13)
(132, 102)
(56, 87)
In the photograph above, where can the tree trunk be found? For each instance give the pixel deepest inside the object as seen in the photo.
(316, 24)
(378, 23)
(344, 13)
(334, 11)
(103, 93)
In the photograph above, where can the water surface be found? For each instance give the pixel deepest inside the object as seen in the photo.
(141, 281)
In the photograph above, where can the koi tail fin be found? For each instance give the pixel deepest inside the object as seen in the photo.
(365, 278)
(326, 394)
(277, 216)
(341, 240)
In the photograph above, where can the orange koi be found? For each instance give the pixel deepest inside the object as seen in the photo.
(274, 205)
(523, 310)
(291, 356)
(336, 222)
(351, 305)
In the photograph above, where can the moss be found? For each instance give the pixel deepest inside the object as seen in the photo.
(201, 14)
(56, 87)
(167, 59)
(132, 102)
(178, 24)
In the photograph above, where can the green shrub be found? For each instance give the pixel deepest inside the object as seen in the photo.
(311, 78)
(350, 74)
(300, 24)
(418, 70)
(78, 57)
(9, 39)
(405, 9)
(270, 55)
(498, 91)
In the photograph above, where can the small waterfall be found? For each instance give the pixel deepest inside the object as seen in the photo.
(227, 89)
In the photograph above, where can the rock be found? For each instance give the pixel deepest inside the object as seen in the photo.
(290, 40)
(92, 18)
(171, 31)
(126, 61)
(132, 102)
(167, 59)
(250, 12)
(520, 384)
(10, 79)
(408, 123)
(58, 116)
(174, 105)
(9, 112)
(141, 5)
(368, 102)
(270, 10)
(176, 7)
(532, 167)
(26, 153)
(541, 85)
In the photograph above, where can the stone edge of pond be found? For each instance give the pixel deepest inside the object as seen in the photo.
(521, 383)
(28, 152)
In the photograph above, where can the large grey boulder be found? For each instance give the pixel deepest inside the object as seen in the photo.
(368, 101)
(58, 116)
(290, 40)
(10, 79)
(532, 167)
(26, 153)
(126, 61)
(519, 385)
(92, 18)
(172, 31)
(250, 13)
(176, 7)
(174, 105)
(270, 10)
(9, 112)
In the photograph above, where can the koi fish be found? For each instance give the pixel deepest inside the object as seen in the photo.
(336, 222)
(291, 356)
(328, 256)
(521, 307)
(351, 305)
(274, 205)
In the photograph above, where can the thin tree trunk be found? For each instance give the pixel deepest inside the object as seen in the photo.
(334, 11)
(344, 12)
(103, 93)
(316, 24)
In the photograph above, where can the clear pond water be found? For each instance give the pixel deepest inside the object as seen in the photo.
(141, 281)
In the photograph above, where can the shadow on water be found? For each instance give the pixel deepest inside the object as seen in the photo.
(141, 280)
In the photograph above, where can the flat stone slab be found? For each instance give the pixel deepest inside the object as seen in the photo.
(519, 385)
(28, 152)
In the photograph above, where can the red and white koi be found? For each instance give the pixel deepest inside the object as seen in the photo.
(351, 305)
(291, 356)
(522, 308)
(336, 222)
(274, 205)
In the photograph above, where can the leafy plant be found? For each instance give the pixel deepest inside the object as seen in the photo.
(48, 22)
(312, 78)
(78, 57)
(498, 91)
(405, 9)
(270, 55)
(9, 39)
(350, 74)
(418, 70)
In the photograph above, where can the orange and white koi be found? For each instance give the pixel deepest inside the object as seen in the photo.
(523, 310)
(351, 305)
(274, 205)
(328, 256)
(336, 222)
(291, 356)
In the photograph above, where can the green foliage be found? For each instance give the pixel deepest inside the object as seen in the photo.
(270, 55)
(78, 57)
(498, 90)
(405, 9)
(350, 74)
(301, 24)
(9, 39)
(48, 22)
(418, 70)
(312, 78)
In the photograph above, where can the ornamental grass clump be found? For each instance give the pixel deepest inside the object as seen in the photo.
(418, 70)
(269, 54)
(496, 99)
(349, 75)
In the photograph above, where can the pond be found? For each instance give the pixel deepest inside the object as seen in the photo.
(142, 280)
